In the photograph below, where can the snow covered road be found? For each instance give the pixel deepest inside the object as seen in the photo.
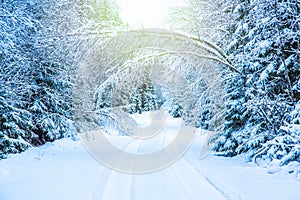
(179, 181)
(64, 170)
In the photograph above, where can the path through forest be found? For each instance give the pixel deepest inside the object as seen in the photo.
(64, 170)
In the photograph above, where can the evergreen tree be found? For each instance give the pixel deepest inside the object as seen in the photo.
(265, 46)
(17, 30)
(143, 99)
(40, 46)
(175, 108)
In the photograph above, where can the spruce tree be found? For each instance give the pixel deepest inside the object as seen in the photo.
(143, 99)
(265, 46)
(41, 44)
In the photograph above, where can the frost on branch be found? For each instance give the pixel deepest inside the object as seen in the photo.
(185, 68)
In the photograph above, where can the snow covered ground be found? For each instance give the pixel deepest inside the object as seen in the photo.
(64, 170)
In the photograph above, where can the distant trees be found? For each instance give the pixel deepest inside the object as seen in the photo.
(144, 99)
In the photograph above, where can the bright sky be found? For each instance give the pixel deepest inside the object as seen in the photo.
(146, 13)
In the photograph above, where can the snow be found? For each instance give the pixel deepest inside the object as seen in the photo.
(65, 170)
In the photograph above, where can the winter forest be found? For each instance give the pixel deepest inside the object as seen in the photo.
(241, 82)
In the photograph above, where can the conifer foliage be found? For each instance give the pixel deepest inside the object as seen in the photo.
(144, 99)
(33, 109)
(41, 42)
(262, 108)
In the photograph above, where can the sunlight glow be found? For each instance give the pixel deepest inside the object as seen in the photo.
(146, 13)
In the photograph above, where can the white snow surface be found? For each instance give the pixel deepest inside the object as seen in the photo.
(64, 170)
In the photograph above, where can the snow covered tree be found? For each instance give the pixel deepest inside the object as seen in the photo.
(40, 47)
(176, 108)
(205, 19)
(105, 12)
(15, 124)
(265, 46)
(17, 28)
(143, 99)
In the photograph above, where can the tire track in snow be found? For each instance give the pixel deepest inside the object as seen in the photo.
(198, 185)
(104, 177)
(189, 179)
(194, 172)
(119, 185)
(180, 180)
(162, 184)
(214, 185)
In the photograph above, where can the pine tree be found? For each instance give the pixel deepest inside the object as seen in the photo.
(17, 30)
(175, 109)
(144, 99)
(41, 44)
(265, 46)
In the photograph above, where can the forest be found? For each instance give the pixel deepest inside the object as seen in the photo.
(43, 43)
